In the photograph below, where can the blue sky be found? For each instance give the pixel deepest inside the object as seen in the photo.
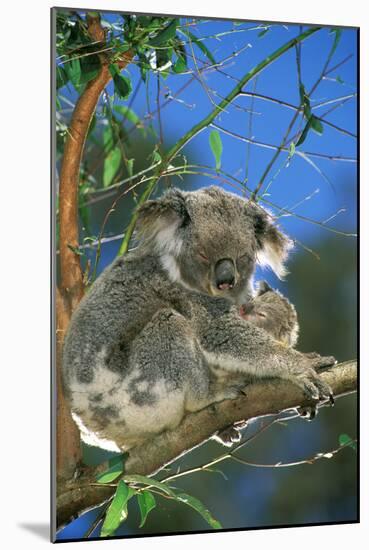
(270, 120)
(312, 187)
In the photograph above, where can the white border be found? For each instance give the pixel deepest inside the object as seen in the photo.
(24, 219)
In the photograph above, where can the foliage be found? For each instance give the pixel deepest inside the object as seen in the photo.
(142, 488)
(167, 49)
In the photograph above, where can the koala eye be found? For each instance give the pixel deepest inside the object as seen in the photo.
(245, 257)
(261, 314)
(203, 256)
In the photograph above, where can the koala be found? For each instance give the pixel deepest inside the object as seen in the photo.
(159, 334)
(273, 312)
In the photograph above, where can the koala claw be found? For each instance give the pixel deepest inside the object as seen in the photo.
(308, 413)
(228, 436)
(314, 387)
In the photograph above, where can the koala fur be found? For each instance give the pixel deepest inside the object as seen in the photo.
(273, 312)
(159, 333)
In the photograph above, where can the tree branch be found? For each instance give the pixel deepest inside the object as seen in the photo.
(262, 398)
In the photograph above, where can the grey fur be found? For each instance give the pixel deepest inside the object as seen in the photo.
(157, 337)
(273, 312)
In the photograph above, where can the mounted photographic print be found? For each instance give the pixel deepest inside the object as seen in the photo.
(205, 274)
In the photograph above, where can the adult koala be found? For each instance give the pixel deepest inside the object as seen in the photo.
(160, 334)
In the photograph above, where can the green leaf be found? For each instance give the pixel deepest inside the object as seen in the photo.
(200, 508)
(163, 58)
(304, 133)
(61, 77)
(216, 147)
(128, 113)
(115, 469)
(345, 439)
(146, 503)
(136, 478)
(316, 125)
(156, 157)
(73, 70)
(143, 64)
(199, 44)
(111, 165)
(165, 35)
(117, 511)
(122, 85)
(90, 67)
(292, 149)
(180, 65)
(130, 163)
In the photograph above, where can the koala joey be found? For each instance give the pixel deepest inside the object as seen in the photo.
(273, 312)
(159, 333)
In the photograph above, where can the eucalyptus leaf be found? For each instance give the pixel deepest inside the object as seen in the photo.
(111, 165)
(199, 44)
(166, 34)
(180, 65)
(61, 77)
(117, 511)
(90, 67)
(146, 503)
(127, 113)
(345, 439)
(316, 125)
(73, 70)
(304, 133)
(130, 163)
(122, 85)
(292, 149)
(136, 478)
(200, 508)
(115, 469)
(216, 147)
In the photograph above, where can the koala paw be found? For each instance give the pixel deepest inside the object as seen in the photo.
(313, 386)
(308, 413)
(231, 434)
(232, 392)
(228, 436)
(319, 362)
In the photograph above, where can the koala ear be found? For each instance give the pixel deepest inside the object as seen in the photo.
(272, 244)
(263, 288)
(159, 220)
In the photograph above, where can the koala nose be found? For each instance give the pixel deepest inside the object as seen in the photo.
(224, 274)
